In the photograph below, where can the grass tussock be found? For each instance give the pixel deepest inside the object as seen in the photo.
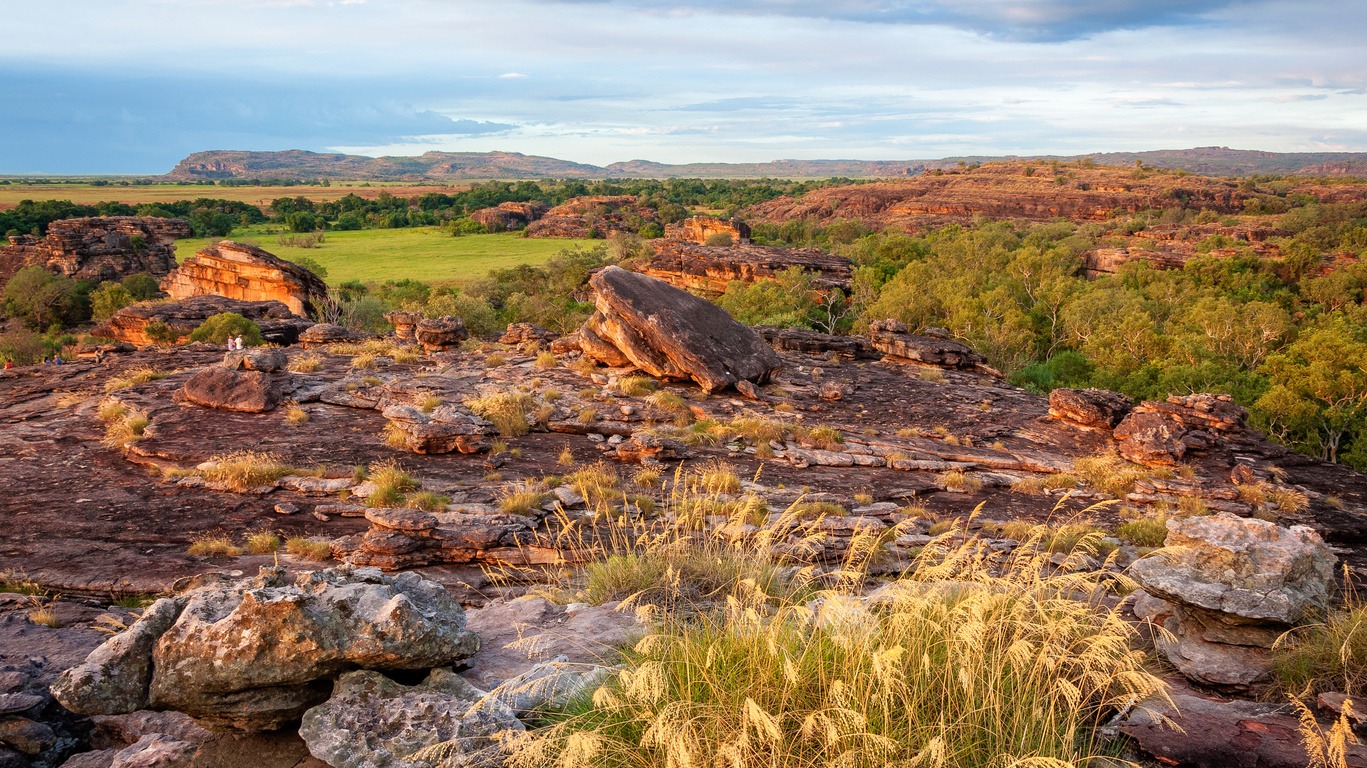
(133, 378)
(122, 425)
(1330, 655)
(1143, 531)
(507, 411)
(213, 545)
(309, 549)
(296, 415)
(1112, 475)
(598, 483)
(427, 501)
(522, 498)
(976, 658)
(262, 543)
(637, 386)
(546, 360)
(392, 485)
(243, 470)
(960, 482)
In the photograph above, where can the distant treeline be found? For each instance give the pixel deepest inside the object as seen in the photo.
(208, 217)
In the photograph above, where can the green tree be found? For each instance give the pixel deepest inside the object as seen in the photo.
(141, 286)
(219, 328)
(43, 299)
(1318, 398)
(109, 298)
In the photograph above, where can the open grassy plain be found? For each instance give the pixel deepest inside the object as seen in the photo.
(425, 253)
(86, 193)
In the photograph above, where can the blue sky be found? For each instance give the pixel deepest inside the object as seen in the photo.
(131, 86)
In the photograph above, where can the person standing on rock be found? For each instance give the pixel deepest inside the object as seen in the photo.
(239, 342)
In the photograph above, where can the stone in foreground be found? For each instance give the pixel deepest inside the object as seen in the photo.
(373, 722)
(669, 333)
(254, 654)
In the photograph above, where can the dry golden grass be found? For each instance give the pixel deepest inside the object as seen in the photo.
(546, 360)
(523, 498)
(392, 485)
(958, 481)
(309, 549)
(309, 363)
(637, 386)
(213, 545)
(427, 501)
(262, 543)
(133, 378)
(122, 425)
(506, 410)
(242, 470)
(429, 403)
(296, 415)
(1112, 475)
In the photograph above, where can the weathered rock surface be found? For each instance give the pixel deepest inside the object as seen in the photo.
(254, 654)
(1091, 408)
(278, 324)
(1161, 434)
(669, 333)
(816, 343)
(893, 339)
(98, 248)
(696, 229)
(710, 267)
(509, 216)
(1232, 585)
(440, 334)
(405, 323)
(264, 359)
(371, 721)
(245, 272)
(593, 216)
(447, 428)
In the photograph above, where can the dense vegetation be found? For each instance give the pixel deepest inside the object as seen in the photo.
(207, 217)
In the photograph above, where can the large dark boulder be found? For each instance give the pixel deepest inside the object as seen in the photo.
(669, 333)
(229, 389)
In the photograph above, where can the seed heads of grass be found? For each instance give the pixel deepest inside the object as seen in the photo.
(133, 378)
(242, 470)
(262, 543)
(506, 410)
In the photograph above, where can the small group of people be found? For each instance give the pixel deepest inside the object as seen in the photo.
(56, 360)
(234, 343)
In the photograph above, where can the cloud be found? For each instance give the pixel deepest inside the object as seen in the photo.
(512, 76)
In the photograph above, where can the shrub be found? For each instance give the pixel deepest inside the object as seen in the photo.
(1144, 531)
(107, 299)
(160, 333)
(219, 328)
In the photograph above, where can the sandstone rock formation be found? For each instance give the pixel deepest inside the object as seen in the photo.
(322, 334)
(697, 229)
(709, 268)
(245, 272)
(371, 721)
(1232, 586)
(893, 339)
(518, 334)
(229, 389)
(254, 654)
(815, 343)
(130, 324)
(509, 216)
(669, 333)
(98, 248)
(409, 538)
(440, 334)
(1162, 433)
(1091, 408)
(405, 323)
(592, 216)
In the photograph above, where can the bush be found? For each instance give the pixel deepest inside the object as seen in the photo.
(108, 299)
(22, 346)
(219, 328)
(43, 299)
(141, 286)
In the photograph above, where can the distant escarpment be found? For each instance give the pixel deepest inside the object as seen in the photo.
(449, 166)
(98, 248)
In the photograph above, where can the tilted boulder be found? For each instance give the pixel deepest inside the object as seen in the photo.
(893, 339)
(1091, 408)
(371, 721)
(669, 333)
(240, 271)
(229, 389)
(256, 653)
(1233, 585)
(440, 334)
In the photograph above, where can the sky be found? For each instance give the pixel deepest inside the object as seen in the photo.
(133, 86)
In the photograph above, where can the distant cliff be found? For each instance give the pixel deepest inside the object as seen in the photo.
(466, 166)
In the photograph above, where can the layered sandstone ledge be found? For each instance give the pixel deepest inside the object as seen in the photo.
(245, 272)
(98, 247)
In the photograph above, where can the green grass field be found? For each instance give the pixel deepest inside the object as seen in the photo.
(426, 253)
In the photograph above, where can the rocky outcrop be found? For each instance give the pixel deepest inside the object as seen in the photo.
(593, 216)
(505, 217)
(1227, 588)
(697, 229)
(519, 334)
(445, 429)
(34, 730)
(410, 538)
(229, 389)
(1161, 434)
(815, 343)
(245, 272)
(255, 654)
(669, 333)
(1099, 409)
(323, 334)
(98, 248)
(440, 334)
(893, 339)
(709, 268)
(181, 318)
(371, 721)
